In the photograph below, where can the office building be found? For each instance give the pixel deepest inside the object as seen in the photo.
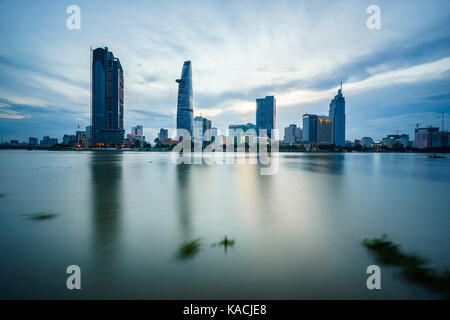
(309, 128)
(242, 133)
(32, 141)
(201, 127)
(337, 116)
(292, 134)
(213, 134)
(136, 134)
(366, 142)
(430, 137)
(107, 98)
(393, 140)
(69, 140)
(324, 130)
(266, 115)
(48, 142)
(163, 135)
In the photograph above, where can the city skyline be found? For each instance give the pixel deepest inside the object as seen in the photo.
(394, 77)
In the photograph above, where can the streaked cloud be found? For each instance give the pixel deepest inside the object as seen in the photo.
(295, 50)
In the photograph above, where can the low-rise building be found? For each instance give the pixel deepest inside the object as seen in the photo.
(367, 142)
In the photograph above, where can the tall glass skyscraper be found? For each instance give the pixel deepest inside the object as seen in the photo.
(337, 115)
(310, 127)
(266, 114)
(185, 106)
(106, 98)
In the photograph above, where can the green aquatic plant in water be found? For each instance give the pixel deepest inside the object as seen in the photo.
(414, 267)
(41, 216)
(225, 243)
(189, 249)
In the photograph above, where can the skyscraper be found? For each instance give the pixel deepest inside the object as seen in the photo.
(324, 130)
(310, 128)
(107, 98)
(185, 106)
(337, 115)
(266, 115)
(163, 135)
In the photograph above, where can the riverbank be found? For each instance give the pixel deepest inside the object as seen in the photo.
(281, 149)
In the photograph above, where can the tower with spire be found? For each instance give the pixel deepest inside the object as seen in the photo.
(337, 115)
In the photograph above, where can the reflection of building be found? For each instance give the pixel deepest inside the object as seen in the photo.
(163, 135)
(185, 106)
(430, 138)
(337, 116)
(266, 115)
(292, 134)
(107, 98)
(367, 142)
(395, 139)
(106, 205)
(242, 133)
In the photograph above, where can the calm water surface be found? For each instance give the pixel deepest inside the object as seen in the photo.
(122, 216)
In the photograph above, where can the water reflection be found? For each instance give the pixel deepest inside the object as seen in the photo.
(332, 163)
(106, 202)
(184, 199)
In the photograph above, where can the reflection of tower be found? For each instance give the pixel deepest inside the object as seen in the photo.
(106, 176)
(185, 106)
(184, 199)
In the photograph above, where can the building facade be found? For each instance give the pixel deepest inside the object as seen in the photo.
(163, 135)
(395, 139)
(309, 128)
(324, 130)
(366, 142)
(107, 96)
(32, 141)
(337, 116)
(430, 137)
(201, 129)
(185, 105)
(292, 134)
(242, 133)
(48, 142)
(266, 115)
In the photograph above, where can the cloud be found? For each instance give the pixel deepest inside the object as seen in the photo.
(6, 113)
(297, 51)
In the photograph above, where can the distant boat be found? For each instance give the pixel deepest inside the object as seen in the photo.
(436, 156)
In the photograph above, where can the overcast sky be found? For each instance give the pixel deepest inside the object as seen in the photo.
(298, 51)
